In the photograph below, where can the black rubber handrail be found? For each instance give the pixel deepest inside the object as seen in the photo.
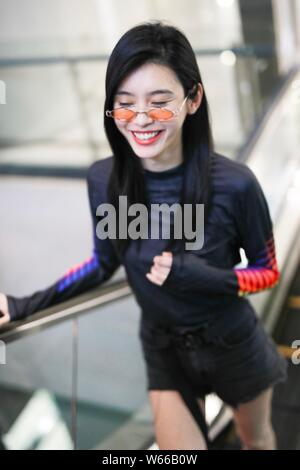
(63, 311)
(271, 104)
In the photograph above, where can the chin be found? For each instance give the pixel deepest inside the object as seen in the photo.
(145, 157)
(146, 153)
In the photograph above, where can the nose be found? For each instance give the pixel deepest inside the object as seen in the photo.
(142, 119)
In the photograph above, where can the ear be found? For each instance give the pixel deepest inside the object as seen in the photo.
(194, 104)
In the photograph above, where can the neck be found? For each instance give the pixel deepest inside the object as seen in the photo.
(170, 158)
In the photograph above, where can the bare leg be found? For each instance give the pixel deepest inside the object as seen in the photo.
(253, 423)
(175, 427)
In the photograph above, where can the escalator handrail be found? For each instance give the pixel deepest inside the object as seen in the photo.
(269, 109)
(78, 305)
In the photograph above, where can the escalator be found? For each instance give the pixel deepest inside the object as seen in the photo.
(63, 382)
(76, 390)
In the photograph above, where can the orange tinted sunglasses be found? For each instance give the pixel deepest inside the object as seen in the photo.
(157, 114)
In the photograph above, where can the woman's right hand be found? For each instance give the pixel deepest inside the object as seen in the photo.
(4, 314)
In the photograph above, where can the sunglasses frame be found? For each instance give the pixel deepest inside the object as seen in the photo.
(175, 113)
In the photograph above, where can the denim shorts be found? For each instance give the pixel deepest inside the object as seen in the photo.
(236, 365)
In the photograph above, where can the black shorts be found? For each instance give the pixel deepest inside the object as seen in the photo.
(237, 365)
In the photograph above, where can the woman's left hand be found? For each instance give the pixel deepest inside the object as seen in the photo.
(161, 268)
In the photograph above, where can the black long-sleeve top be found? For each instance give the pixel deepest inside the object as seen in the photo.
(201, 283)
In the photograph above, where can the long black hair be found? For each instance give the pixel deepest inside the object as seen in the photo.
(163, 44)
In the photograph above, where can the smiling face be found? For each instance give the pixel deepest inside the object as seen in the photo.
(153, 86)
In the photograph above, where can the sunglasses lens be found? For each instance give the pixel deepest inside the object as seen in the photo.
(123, 114)
(160, 114)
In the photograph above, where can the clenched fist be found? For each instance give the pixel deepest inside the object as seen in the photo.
(4, 315)
(161, 268)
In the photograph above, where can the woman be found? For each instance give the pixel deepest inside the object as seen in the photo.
(198, 331)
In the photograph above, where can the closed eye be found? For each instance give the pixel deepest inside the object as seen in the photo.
(157, 103)
(160, 103)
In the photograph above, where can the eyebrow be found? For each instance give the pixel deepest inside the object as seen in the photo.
(155, 92)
